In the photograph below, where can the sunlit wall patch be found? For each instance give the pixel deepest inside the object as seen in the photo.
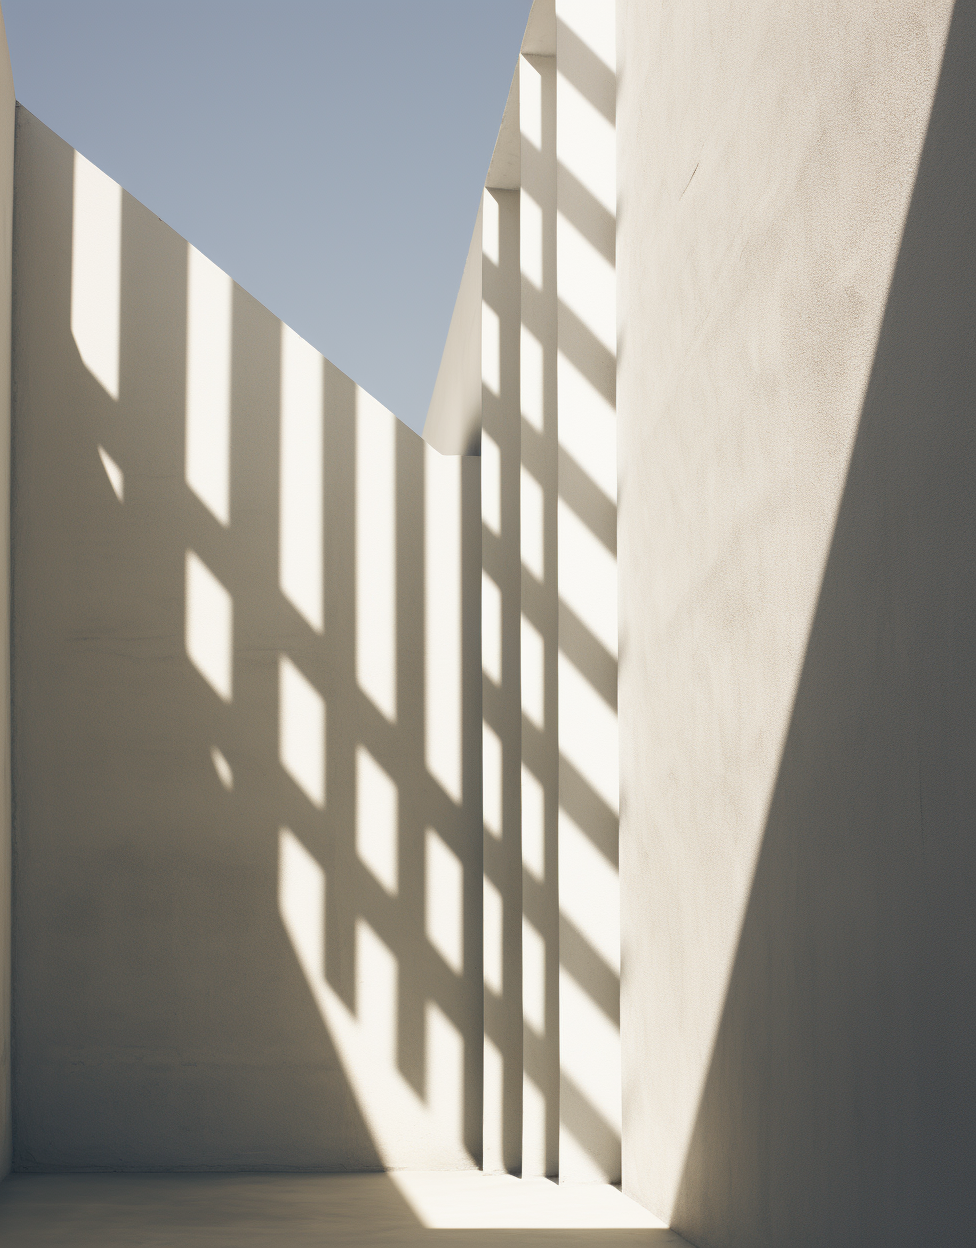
(530, 103)
(533, 674)
(493, 920)
(530, 236)
(96, 272)
(587, 427)
(209, 626)
(377, 821)
(589, 1053)
(209, 298)
(301, 486)
(587, 577)
(491, 780)
(493, 1107)
(490, 228)
(443, 727)
(445, 1071)
(587, 283)
(491, 484)
(301, 731)
(491, 629)
(533, 978)
(588, 733)
(532, 526)
(376, 566)
(533, 1127)
(491, 349)
(377, 993)
(116, 477)
(222, 767)
(533, 826)
(444, 900)
(589, 891)
(532, 378)
(301, 901)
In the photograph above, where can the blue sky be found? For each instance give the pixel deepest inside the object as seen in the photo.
(329, 156)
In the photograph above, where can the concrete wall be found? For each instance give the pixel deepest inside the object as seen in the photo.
(296, 888)
(796, 391)
(7, 107)
(248, 709)
(547, 336)
(501, 680)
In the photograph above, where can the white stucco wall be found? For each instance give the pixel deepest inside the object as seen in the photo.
(297, 885)
(549, 608)
(248, 705)
(309, 892)
(795, 396)
(586, 542)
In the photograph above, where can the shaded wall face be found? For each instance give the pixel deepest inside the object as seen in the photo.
(248, 709)
(7, 107)
(795, 395)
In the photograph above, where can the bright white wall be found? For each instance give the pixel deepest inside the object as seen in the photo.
(7, 107)
(248, 700)
(539, 599)
(589, 921)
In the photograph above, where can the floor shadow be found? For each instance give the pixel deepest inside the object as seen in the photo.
(840, 1103)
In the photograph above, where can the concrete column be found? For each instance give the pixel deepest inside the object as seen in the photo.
(539, 623)
(501, 598)
(589, 922)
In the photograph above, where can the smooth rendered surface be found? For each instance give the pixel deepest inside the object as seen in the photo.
(248, 706)
(501, 683)
(549, 645)
(504, 171)
(539, 618)
(585, 532)
(7, 109)
(302, 1211)
(796, 391)
(453, 423)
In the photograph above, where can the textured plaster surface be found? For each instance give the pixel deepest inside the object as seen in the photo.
(795, 397)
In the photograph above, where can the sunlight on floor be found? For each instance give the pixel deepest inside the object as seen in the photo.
(471, 1200)
(305, 1210)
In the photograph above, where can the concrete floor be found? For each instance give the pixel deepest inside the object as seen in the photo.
(468, 1209)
